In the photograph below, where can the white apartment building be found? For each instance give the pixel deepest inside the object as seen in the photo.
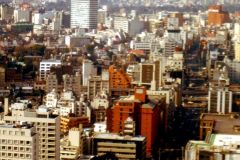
(18, 142)
(47, 129)
(67, 104)
(84, 14)
(45, 66)
(51, 99)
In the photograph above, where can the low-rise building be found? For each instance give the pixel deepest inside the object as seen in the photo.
(72, 145)
(124, 147)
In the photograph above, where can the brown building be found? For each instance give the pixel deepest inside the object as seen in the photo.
(52, 83)
(70, 122)
(73, 83)
(216, 15)
(219, 123)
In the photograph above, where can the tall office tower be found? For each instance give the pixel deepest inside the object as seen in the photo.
(84, 14)
(47, 128)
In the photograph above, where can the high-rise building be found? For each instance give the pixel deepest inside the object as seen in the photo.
(84, 14)
(47, 128)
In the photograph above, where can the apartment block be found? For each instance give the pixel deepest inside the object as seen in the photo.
(119, 81)
(45, 66)
(47, 128)
(18, 142)
(96, 84)
(73, 83)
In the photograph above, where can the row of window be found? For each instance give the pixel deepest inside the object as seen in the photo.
(15, 155)
(21, 142)
(12, 133)
(15, 148)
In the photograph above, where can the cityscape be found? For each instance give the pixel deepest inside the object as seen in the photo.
(120, 80)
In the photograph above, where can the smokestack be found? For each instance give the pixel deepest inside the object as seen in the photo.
(5, 106)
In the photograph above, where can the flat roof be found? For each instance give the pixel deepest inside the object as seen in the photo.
(114, 136)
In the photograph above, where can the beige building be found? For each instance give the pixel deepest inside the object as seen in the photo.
(18, 142)
(237, 50)
(96, 84)
(47, 129)
(72, 145)
(73, 83)
(51, 82)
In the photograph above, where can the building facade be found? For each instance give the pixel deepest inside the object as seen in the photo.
(84, 14)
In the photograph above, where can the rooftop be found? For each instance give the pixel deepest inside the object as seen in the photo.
(114, 136)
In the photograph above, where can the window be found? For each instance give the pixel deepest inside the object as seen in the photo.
(21, 142)
(15, 155)
(4, 141)
(28, 142)
(10, 141)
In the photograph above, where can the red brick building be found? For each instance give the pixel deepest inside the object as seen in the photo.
(119, 81)
(148, 114)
